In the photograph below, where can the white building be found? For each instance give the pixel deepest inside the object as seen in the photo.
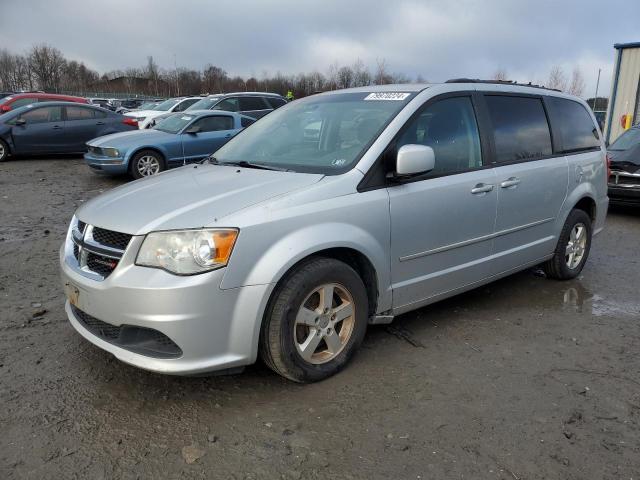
(624, 101)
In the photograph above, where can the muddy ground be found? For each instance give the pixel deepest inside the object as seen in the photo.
(524, 379)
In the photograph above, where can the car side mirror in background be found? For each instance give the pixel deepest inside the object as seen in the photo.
(192, 129)
(20, 122)
(414, 160)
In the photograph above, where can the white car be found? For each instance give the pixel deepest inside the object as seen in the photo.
(146, 117)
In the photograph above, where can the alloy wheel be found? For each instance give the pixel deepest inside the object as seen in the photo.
(148, 165)
(576, 245)
(324, 323)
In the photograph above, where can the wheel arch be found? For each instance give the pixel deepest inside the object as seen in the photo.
(137, 150)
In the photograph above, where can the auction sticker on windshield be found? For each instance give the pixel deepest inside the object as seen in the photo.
(387, 96)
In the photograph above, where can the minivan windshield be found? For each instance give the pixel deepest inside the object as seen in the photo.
(318, 134)
(204, 104)
(627, 140)
(173, 123)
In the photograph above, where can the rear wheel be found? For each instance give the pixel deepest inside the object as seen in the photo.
(146, 163)
(4, 151)
(316, 321)
(572, 249)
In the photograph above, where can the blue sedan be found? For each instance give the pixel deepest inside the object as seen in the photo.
(177, 140)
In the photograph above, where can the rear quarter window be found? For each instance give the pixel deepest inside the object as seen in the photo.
(575, 125)
(275, 102)
(520, 127)
(248, 104)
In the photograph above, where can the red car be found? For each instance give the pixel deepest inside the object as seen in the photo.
(17, 100)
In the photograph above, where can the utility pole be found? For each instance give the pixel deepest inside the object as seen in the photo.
(595, 98)
(175, 69)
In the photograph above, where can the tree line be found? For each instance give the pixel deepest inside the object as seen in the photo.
(44, 67)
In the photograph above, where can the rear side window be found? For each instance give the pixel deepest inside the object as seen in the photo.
(252, 103)
(214, 124)
(520, 127)
(182, 106)
(79, 113)
(275, 102)
(577, 130)
(245, 122)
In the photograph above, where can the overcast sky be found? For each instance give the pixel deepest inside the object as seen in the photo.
(438, 39)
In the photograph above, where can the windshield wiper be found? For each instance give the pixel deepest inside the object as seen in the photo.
(257, 166)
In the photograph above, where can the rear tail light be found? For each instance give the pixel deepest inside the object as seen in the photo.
(130, 121)
(608, 164)
(5, 108)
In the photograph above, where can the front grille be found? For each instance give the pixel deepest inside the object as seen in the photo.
(111, 239)
(100, 264)
(624, 178)
(96, 250)
(145, 341)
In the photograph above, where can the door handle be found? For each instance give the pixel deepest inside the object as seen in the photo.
(56, 127)
(510, 182)
(481, 188)
(100, 123)
(227, 135)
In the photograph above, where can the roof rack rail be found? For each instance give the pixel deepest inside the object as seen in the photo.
(499, 82)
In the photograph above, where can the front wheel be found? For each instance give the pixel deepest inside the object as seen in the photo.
(315, 322)
(572, 249)
(146, 163)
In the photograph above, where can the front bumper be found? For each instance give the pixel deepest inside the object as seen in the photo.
(112, 165)
(215, 329)
(624, 194)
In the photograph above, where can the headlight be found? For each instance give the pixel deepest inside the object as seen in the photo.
(186, 252)
(110, 152)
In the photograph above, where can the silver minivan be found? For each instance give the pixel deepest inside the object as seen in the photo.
(336, 211)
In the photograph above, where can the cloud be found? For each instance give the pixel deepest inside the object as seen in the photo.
(438, 39)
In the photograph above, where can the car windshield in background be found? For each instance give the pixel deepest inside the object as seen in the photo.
(147, 106)
(319, 134)
(166, 105)
(204, 104)
(627, 140)
(174, 123)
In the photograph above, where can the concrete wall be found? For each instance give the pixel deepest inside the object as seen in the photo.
(626, 93)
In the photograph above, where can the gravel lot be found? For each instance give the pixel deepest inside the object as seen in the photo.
(526, 378)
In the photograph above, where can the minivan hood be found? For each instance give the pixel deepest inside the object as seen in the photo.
(188, 197)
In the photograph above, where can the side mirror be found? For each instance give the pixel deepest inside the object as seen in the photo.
(193, 129)
(20, 122)
(414, 160)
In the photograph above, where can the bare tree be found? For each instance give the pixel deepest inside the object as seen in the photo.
(500, 75)
(47, 64)
(381, 76)
(577, 83)
(361, 75)
(557, 79)
(344, 77)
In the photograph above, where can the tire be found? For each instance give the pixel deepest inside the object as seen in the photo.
(143, 161)
(564, 266)
(4, 151)
(283, 336)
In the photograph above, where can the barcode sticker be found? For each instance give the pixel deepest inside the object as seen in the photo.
(397, 96)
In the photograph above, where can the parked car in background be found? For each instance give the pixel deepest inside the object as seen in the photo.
(56, 127)
(624, 158)
(289, 243)
(5, 94)
(177, 140)
(126, 105)
(251, 104)
(100, 102)
(173, 105)
(18, 100)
